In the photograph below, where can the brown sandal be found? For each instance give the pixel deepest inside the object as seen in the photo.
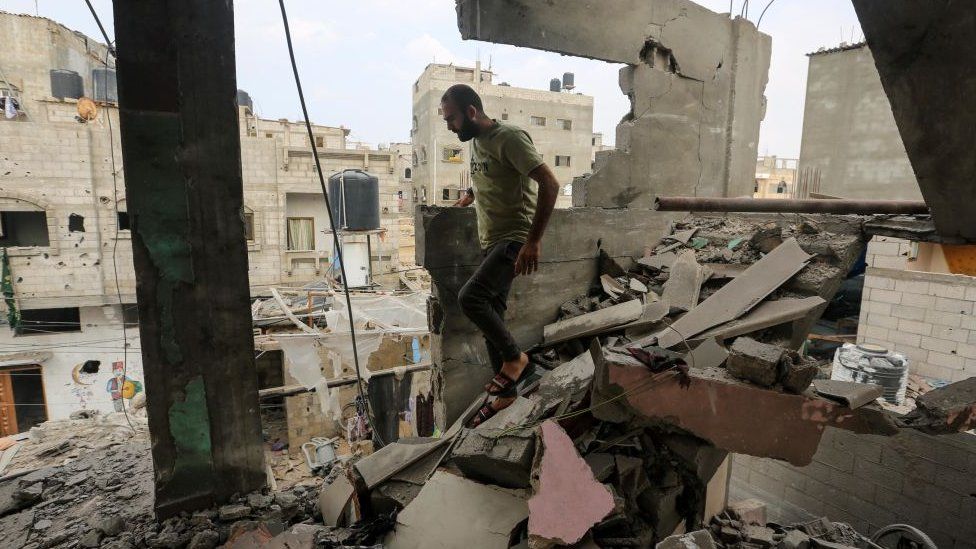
(485, 413)
(502, 385)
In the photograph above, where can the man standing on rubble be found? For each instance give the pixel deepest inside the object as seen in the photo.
(512, 217)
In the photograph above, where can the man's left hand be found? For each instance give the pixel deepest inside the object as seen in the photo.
(527, 261)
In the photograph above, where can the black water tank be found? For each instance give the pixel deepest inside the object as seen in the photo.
(244, 100)
(355, 199)
(105, 85)
(66, 84)
(555, 85)
(569, 80)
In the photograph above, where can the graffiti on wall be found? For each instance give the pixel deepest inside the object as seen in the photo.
(121, 386)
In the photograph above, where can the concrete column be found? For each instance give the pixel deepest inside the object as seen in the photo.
(182, 157)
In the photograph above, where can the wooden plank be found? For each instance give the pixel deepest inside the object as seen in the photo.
(180, 146)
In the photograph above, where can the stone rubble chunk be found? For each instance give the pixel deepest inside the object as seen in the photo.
(693, 540)
(749, 511)
(205, 539)
(494, 458)
(228, 513)
(756, 362)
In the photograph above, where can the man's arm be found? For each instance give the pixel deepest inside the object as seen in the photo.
(527, 261)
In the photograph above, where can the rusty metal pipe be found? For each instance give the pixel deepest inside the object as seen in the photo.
(775, 205)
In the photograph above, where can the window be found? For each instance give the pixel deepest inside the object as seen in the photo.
(319, 141)
(440, 111)
(564, 124)
(537, 120)
(504, 116)
(130, 314)
(568, 190)
(755, 189)
(408, 173)
(122, 218)
(781, 188)
(9, 94)
(301, 234)
(248, 225)
(594, 142)
(269, 135)
(451, 154)
(446, 194)
(47, 321)
(562, 160)
(23, 229)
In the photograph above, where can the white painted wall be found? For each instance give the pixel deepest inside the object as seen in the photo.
(100, 339)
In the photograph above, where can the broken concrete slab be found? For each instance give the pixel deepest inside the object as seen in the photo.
(464, 513)
(728, 419)
(659, 262)
(638, 286)
(700, 539)
(496, 457)
(684, 284)
(602, 465)
(516, 413)
(765, 315)
(393, 458)
(725, 270)
(800, 372)
(757, 362)
(949, 409)
(567, 499)
(851, 394)
(611, 287)
(593, 323)
(737, 297)
(682, 236)
(334, 498)
(708, 354)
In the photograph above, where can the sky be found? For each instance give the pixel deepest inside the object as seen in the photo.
(359, 58)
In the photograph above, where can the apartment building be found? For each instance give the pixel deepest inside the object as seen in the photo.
(559, 121)
(66, 233)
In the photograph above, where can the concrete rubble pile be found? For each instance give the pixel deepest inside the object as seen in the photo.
(611, 442)
(743, 526)
(89, 483)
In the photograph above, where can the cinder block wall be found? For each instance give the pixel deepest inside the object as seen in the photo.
(873, 481)
(927, 316)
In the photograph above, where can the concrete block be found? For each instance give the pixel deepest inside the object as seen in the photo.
(906, 312)
(913, 327)
(946, 360)
(912, 286)
(504, 460)
(939, 345)
(754, 361)
(886, 296)
(874, 281)
(904, 338)
(749, 511)
(952, 291)
(875, 332)
(953, 305)
(949, 333)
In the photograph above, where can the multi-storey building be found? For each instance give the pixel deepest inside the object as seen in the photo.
(775, 177)
(65, 229)
(560, 123)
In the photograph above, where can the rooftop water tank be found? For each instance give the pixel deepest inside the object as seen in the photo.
(244, 100)
(355, 199)
(66, 84)
(864, 363)
(555, 85)
(569, 80)
(105, 85)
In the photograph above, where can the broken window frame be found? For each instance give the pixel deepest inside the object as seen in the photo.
(42, 323)
(10, 92)
(537, 121)
(565, 163)
(5, 230)
(564, 124)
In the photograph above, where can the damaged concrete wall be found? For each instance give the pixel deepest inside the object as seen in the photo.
(695, 79)
(447, 248)
(872, 481)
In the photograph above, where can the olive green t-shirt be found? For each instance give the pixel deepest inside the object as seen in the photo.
(505, 196)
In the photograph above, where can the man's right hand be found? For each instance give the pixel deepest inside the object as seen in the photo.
(465, 201)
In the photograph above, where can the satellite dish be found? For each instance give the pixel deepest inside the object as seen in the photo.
(87, 110)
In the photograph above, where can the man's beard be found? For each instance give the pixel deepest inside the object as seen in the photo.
(469, 130)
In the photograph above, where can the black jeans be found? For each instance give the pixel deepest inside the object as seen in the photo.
(483, 297)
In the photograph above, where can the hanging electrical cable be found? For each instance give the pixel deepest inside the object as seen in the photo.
(332, 224)
(763, 13)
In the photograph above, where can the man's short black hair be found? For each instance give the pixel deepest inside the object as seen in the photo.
(463, 96)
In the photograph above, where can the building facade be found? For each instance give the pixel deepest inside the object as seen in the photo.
(560, 123)
(775, 177)
(849, 132)
(66, 231)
